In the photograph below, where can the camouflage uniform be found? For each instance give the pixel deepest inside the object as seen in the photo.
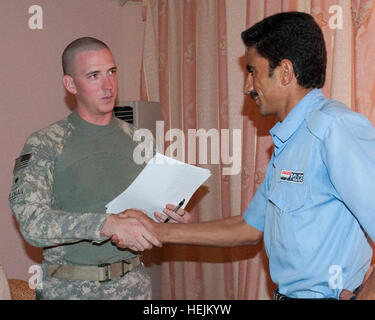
(135, 285)
(65, 175)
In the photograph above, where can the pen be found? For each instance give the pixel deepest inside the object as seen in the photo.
(175, 209)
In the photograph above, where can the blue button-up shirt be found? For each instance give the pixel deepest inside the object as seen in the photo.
(316, 199)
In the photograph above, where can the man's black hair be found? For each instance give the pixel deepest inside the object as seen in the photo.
(294, 36)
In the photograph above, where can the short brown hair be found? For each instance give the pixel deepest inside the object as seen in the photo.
(76, 46)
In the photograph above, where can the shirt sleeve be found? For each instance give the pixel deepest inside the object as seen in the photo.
(348, 152)
(31, 200)
(255, 213)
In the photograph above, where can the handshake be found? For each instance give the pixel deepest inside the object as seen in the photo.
(134, 230)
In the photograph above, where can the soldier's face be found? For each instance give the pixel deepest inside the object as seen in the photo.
(94, 82)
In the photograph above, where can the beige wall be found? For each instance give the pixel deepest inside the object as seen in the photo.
(31, 93)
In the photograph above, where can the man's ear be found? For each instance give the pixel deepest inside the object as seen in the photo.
(69, 84)
(286, 72)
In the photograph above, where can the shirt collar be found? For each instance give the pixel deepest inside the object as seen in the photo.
(88, 128)
(282, 131)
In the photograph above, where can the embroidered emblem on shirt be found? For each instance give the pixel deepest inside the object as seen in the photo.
(290, 176)
(21, 162)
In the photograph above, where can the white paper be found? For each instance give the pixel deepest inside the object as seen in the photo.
(163, 180)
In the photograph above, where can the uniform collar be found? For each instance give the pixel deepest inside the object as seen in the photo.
(282, 131)
(88, 128)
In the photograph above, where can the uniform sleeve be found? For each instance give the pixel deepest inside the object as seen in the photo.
(31, 200)
(349, 154)
(255, 213)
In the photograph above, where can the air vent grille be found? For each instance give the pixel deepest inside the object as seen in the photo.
(124, 113)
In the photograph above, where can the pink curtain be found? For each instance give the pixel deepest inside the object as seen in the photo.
(363, 13)
(186, 68)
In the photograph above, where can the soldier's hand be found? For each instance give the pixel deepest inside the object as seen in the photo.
(143, 218)
(127, 232)
(181, 216)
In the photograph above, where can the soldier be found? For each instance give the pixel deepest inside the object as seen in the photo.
(65, 175)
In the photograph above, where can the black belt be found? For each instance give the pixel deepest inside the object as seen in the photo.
(278, 296)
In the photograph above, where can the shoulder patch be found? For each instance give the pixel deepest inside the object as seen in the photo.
(21, 162)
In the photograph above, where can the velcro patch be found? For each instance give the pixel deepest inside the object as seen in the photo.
(15, 194)
(21, 162)
(290, 176)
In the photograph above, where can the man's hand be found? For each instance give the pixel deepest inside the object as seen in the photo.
(181, 216)
(153, 227)
(127, 232)
(346, 295)
(367, 291)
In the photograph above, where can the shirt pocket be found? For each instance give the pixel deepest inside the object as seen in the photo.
(288, 197)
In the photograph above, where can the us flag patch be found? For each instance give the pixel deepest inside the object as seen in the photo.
(290, 176)
(21, 162)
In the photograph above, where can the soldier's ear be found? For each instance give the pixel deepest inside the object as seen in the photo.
(69, 84)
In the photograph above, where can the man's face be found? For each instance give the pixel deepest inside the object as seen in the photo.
(265, 90)
(94, 83)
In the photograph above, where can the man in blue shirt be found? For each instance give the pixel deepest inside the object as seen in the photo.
(315, 206)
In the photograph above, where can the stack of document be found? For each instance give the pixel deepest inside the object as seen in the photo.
(163, 180)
